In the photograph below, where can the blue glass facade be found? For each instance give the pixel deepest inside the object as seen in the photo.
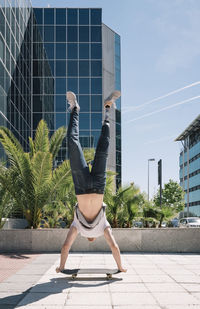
(73, 45)
(189, 173)
(45, 52)
(15, 69)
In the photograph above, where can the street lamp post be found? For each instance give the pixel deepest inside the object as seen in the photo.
(148, 175)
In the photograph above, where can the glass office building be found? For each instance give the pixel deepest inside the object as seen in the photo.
(76, 48)
(16, 69)
(190, 167)
(66, 49)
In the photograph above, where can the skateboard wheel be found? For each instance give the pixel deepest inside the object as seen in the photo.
(109, 276)
(74, 276)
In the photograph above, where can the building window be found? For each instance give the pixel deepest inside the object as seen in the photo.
(72, 51)
(60, 103)
(95, 34)
(49, 34)
(72, 85)
(72, 68)
(49, 48)
(96, 103)
(60, 34)
(60, 16)
(60, 120)
(72, 17)
(49, 16)
(84, 68)
(96, 51)
(60, 51)
(84, 101)
(96, 85)
(39, 15)
(60, 68)
(96, 121)
(83, 16)
(83, 51)
(96, 16)
(72, 34)
(83, 34)
(84, 121)
(96, 68)
(84, 86)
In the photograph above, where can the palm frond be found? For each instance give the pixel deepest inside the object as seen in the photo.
(56, 141)
(11, 146)
(42, 169)
(31, 147)
(12, 138)
(60, 177)
(41, 140)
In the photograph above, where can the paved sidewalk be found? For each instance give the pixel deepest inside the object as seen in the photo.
(153, 281)
(11, 263)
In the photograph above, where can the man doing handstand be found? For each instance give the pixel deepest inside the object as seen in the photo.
(89, 217)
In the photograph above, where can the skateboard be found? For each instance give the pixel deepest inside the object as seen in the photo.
(89, 271)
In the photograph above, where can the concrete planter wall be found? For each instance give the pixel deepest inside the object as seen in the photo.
(132, 240)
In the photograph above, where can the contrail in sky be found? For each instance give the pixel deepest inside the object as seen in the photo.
(164, 108)
(127, 110)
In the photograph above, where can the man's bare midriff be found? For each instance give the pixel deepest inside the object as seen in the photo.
(90, 205)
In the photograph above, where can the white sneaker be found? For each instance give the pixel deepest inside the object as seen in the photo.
(72, 101)
(112, 98)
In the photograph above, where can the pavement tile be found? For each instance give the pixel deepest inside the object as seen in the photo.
(87, 307)
(23, 278)
(11, 263)
(164, 287)
(14, 287)
(182, 306)
(156, 278)
(137, 307)
(93, 299)
(10, 298)
(197, 295)
(131, 287)
(54, 286)
(186, 278)
(149, 271)
(40, 307)
(153, 281)
(39, 299)
(121, 299)
(175, 298)
(191, 287)
(129, 278)
(90, 286)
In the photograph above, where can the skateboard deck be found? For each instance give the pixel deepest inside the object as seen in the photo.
(89, 271)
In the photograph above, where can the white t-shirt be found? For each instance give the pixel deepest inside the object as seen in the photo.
(95, 232)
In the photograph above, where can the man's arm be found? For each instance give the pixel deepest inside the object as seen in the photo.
(71, 236)
(114, 247)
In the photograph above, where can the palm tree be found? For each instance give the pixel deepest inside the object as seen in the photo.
(116, 203)
(30, 178)
(132, 199)
(5, 205)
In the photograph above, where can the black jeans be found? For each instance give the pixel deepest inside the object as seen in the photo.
(84, 180)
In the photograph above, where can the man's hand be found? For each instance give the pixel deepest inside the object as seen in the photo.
(114, 247)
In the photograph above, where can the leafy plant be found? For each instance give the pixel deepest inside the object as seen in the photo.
(30, 178)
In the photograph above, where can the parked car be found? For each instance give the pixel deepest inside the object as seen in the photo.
(174, 222)
(189, 222)
(137, 224)
(164, 224)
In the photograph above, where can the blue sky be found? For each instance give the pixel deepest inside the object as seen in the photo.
(160, 53)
